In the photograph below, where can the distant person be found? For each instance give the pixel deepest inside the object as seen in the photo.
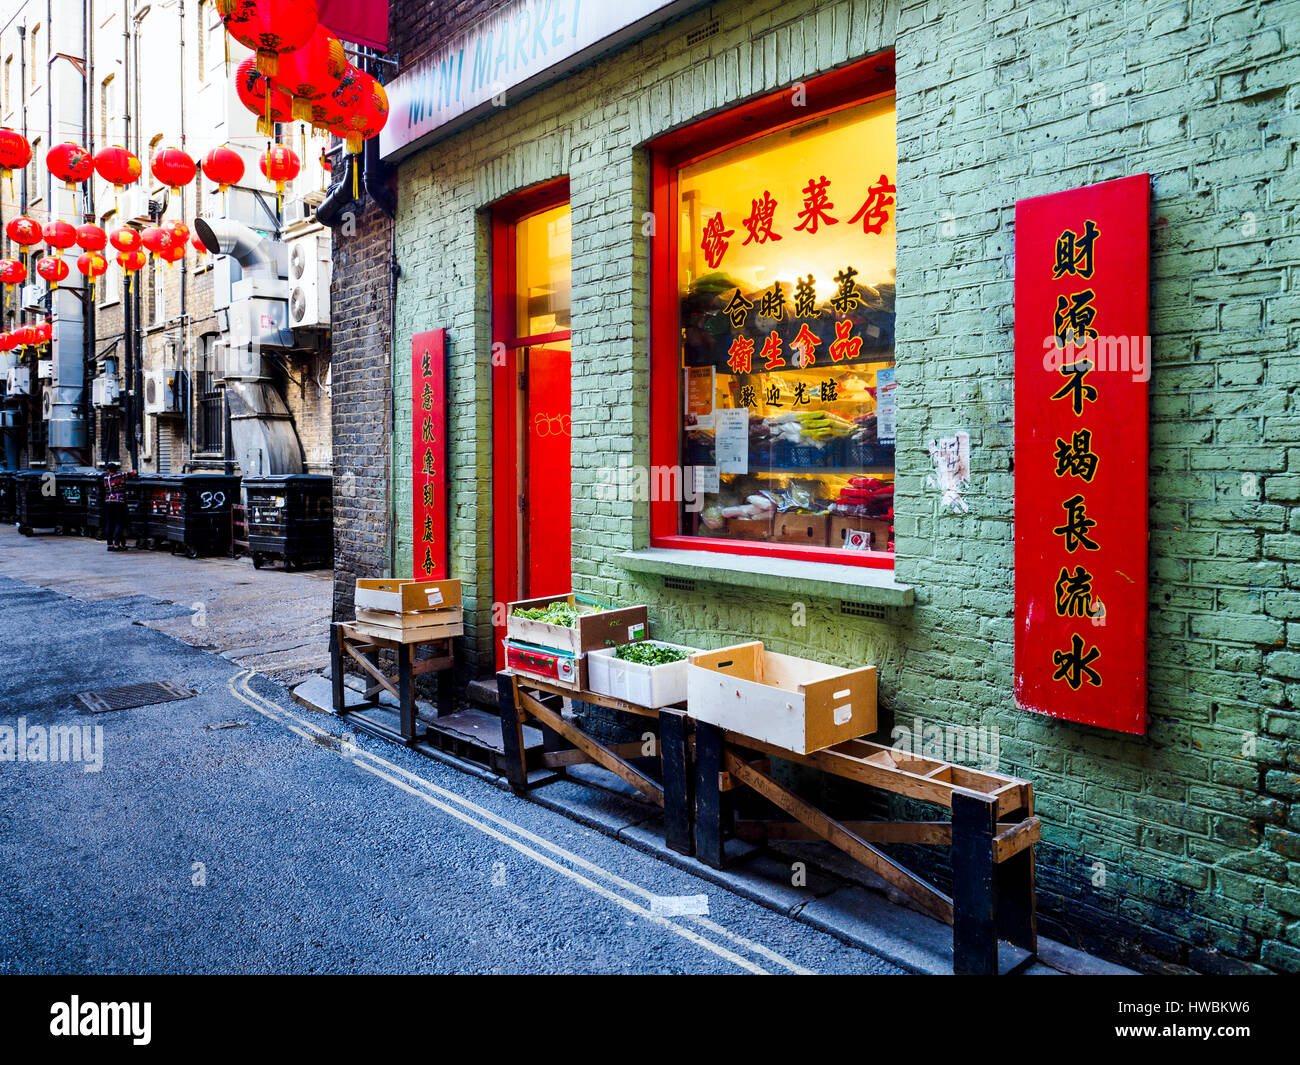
(115, 512)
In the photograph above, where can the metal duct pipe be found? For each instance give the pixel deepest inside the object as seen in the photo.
(255, 253)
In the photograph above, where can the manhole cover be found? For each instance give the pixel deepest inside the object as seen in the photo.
(133, 695)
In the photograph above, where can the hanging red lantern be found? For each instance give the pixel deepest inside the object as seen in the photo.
(24, 336)
(43, 332)
(6, 342)
(224, 165)
(91, 238)
(156, 239)
(92, 265)
(311, 72)
(15, 153)
(173, 167)
(198, 245)
(269, 27)
(367, 116)
(263, 99)
(117, 166)
(25, 231)
(125, 239)
(178, 231)
(131, 263)
(12, 272)
(53, 269)
(173, 253)
(60, 235)
(70, 163)
(279, 164)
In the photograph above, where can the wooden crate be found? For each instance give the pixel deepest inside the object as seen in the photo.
(810, 529)
(876, 528)
(792, 703)
(404, 596)
(749, 528)
(594, 628)
(411, 628)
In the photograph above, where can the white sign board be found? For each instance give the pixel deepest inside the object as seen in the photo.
(524, 46)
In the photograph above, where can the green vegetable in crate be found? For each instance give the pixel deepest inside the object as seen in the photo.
(646, 653)
(558, 613)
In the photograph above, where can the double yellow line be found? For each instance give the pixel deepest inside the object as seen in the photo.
(620, 892)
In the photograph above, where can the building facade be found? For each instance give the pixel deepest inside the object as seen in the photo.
(1175, 849)
(148, 76)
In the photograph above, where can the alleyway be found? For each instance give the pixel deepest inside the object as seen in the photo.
(273, 621)
(236, 832)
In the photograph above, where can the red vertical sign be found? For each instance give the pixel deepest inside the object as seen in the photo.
(1083, 359)
(429, 453)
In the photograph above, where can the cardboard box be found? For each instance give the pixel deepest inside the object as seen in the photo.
(652, 686)
(749, 528)
(809, 529)
(792, 703)
(593, 628)
(877, 530)
(546, 663)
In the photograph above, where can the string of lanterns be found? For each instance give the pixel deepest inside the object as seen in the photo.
(298, 72)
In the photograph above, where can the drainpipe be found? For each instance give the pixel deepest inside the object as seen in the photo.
(375, 175)
(339, 198)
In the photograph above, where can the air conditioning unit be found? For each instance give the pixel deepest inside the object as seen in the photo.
(309, 281)
(45, 369)
(18, 381)
(161, 392)
(47, 404)
(104, 391)
(133, 205)
(32, 297)
(296, 212)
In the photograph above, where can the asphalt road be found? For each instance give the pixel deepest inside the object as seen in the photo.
(236, 832)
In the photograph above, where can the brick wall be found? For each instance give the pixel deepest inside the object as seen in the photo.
(1176, 850)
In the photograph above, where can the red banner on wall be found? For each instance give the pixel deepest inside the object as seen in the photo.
(1083, 360)
(429, 453)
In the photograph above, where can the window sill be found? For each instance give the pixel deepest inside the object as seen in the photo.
(855, 584)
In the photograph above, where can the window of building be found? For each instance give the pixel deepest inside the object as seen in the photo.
(9, 66)
(105, 107)
(157, 292)
(211, 425)
(110, 285)
(773, 331)
(33, 171)
(33, 72)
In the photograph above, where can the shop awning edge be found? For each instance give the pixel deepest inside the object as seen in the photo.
(855, 584)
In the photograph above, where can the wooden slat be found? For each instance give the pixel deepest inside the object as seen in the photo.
(582, 696)
(1012, 839)
(836, 834)
(601, 755)
(431, 665)
(372, 670)
(555, 759)
(925, 833)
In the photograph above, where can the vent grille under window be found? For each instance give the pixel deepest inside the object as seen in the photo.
(709, 29)
(863, 610)
(682, 584)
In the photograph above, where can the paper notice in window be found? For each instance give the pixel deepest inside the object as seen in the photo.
(885, 406)
(706, 480)
(699, 397)
(732, 440)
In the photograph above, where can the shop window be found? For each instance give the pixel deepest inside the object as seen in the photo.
(775, 321)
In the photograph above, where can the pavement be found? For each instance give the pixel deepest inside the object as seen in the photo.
(236, 832)
(270, 620)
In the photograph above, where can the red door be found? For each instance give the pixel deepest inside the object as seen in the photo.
(548, 434)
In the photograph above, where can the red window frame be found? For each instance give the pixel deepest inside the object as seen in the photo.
(863, 81)
(505, 215)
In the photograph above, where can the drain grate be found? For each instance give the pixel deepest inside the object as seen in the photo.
(133, 695)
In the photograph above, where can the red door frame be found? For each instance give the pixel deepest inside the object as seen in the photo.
(864, 81)
(505, 215)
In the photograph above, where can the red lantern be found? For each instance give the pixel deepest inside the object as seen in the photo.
(367, 115)
(263, 99)
(270, 27)
(224, 166)
(173, 168)
(6, 342)
(15, 152)
(131, 262)
(117, 166)
(92, 265)
(178, 231)
(311, 72)
(70, 163)
(156, 239)
(12, 272)
(125, 239)
(53, 269)
(43, 332)
(279, 164)
(172, 253)
(25, 231)
(60, 235)
(198, 245)
(24, 336)
(91, 238)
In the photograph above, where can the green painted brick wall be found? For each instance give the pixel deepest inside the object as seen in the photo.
(1180, 849)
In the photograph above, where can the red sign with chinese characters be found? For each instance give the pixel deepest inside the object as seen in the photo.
(1083, 360)
(429, 453)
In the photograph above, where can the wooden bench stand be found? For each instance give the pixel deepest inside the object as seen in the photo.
(347, 642)
(528, 700)
(992, 831)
